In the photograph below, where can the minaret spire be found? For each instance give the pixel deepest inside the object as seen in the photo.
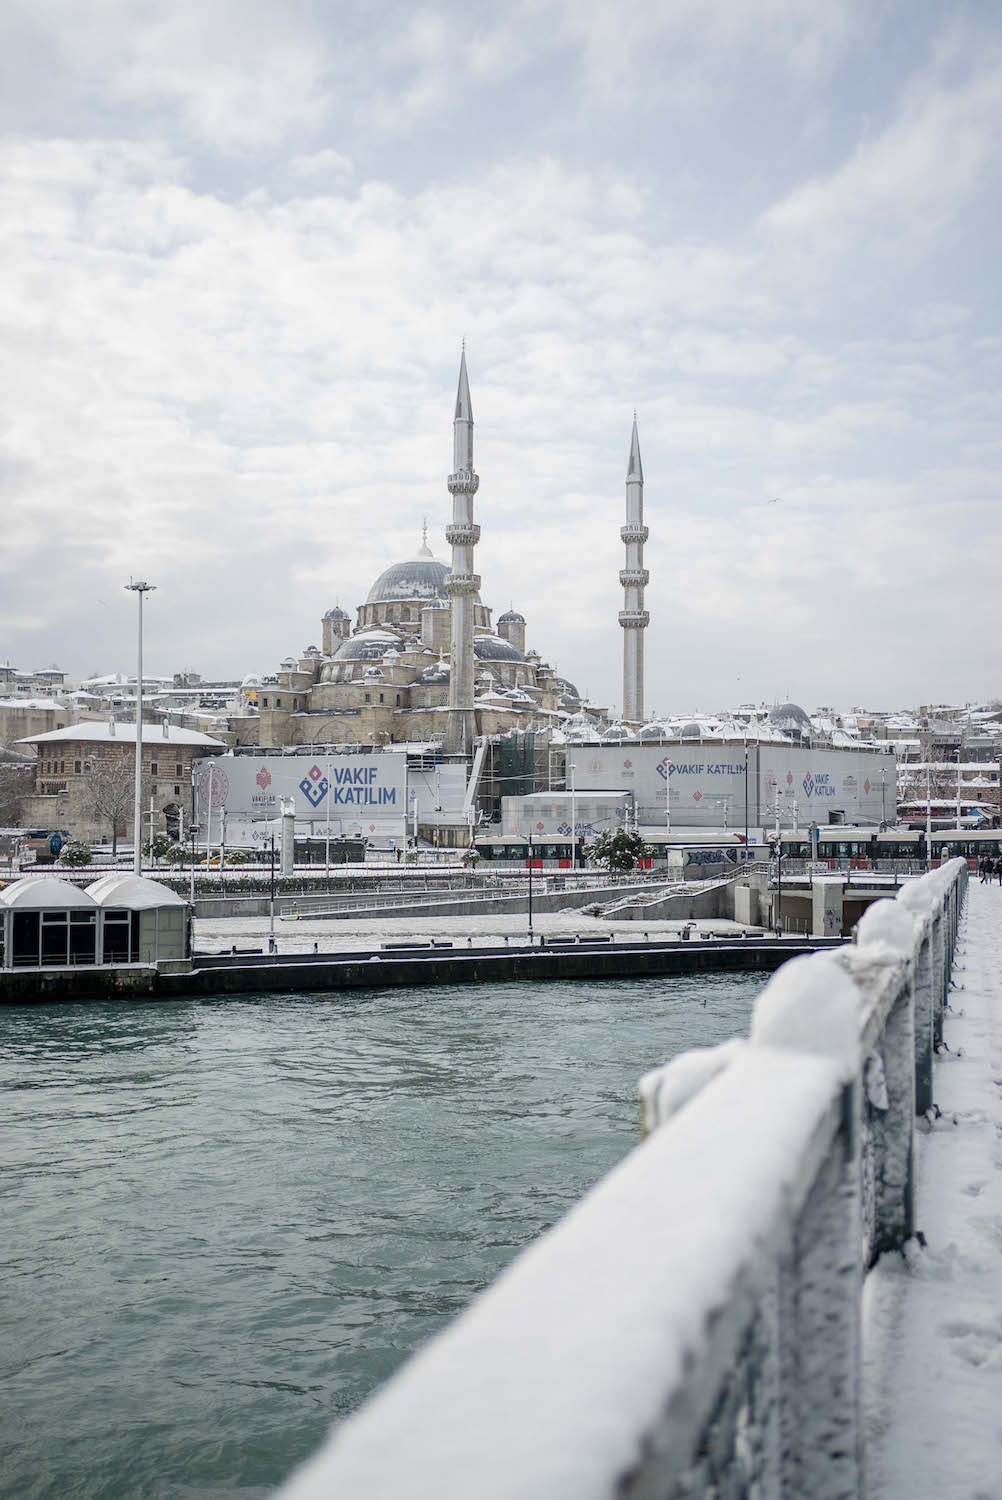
(463, 583)
(633, 617)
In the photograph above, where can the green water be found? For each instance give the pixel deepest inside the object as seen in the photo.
(225, 1222)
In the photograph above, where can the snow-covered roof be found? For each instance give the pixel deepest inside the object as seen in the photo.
(137, 892)
(38, 703)
(98, 731)
(47, 892)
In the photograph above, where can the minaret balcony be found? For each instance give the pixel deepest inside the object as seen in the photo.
(632, 533)
(462, 583)
(462, 534)
(463, 482)
(634, 619)
(637, 578)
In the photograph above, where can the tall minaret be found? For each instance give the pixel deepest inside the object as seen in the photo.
(463, 583)
(633, 617)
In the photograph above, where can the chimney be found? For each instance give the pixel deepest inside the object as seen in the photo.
(166, 730)
(111, 728)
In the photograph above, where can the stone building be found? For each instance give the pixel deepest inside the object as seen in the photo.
(20, 717)
(85, 778)
(422, 625)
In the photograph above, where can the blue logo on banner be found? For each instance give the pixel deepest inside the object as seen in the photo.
(314, 786)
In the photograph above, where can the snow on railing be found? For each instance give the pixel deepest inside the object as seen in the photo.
(692, 1326)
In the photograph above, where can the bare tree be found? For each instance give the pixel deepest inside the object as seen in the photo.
(16, 781)
(108, 791)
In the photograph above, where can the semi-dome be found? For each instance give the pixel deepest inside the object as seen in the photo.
(370, 645)
(421, 578)
(493, 648)
(791, 719)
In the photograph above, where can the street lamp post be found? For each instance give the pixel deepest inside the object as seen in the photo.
(574, 821)
(746, 794)
(530, 887)
(779, 887)
(958, 791)
(139, 588)
(271, 922)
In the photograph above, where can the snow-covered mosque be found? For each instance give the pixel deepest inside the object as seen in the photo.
(423, 662)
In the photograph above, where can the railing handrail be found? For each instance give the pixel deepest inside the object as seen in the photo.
(694, 1323)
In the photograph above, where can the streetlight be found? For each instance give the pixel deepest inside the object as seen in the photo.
(779, 886)
(746, 796)
(139, 588)
(574, 823)
(530, 887)
(271, 925)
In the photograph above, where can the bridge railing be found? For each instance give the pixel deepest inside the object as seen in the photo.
(693, 1325)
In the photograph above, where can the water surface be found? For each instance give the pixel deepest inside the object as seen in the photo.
(226, 1221)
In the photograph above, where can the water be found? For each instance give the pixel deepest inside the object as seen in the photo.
(225, 1222)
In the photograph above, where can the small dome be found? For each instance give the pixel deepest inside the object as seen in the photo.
(438, 673)
(337, 613)
(691, 731)
(568, 687)
(511, 617)
(493, 648)
(436, 603)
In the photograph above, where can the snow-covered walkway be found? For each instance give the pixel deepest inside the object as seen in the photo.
(933, 1318)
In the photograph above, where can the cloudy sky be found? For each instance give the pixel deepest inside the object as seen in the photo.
(240, 244)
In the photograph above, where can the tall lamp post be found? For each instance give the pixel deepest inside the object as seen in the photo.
(574, 822)
(746, 796)
(139, 588)
(530, 887)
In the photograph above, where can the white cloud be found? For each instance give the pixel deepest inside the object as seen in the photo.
(240, 379)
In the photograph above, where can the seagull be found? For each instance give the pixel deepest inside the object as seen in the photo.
(773, 502)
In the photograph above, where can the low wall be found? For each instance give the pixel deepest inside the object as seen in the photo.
(715, 900)
(483, 903)
(693, 1326)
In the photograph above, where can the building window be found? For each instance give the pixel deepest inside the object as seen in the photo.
(278, 703)
(264, 703)
(177, 791)
(179, 769)
(368, 697)
(380, 697)
(398, 700)
(76, 768)
(153, 768)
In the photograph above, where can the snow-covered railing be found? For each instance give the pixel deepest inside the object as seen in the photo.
(692, 1326)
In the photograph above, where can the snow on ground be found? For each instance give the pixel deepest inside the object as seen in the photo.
(933, 1317)
(346, 935)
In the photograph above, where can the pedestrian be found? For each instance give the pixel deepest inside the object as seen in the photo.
(983, 871)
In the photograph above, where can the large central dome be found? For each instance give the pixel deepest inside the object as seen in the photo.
(421, 578)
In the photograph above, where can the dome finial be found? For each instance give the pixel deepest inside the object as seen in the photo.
(425, 550)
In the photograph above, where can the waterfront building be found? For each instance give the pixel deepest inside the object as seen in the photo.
(84, 778)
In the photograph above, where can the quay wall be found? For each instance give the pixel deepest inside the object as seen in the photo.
(693, 1326)
(309, 973)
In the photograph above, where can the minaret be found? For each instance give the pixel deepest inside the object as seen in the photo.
(463, 583)
(633, 617)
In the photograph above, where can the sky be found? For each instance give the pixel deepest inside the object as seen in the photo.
(240, 245)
